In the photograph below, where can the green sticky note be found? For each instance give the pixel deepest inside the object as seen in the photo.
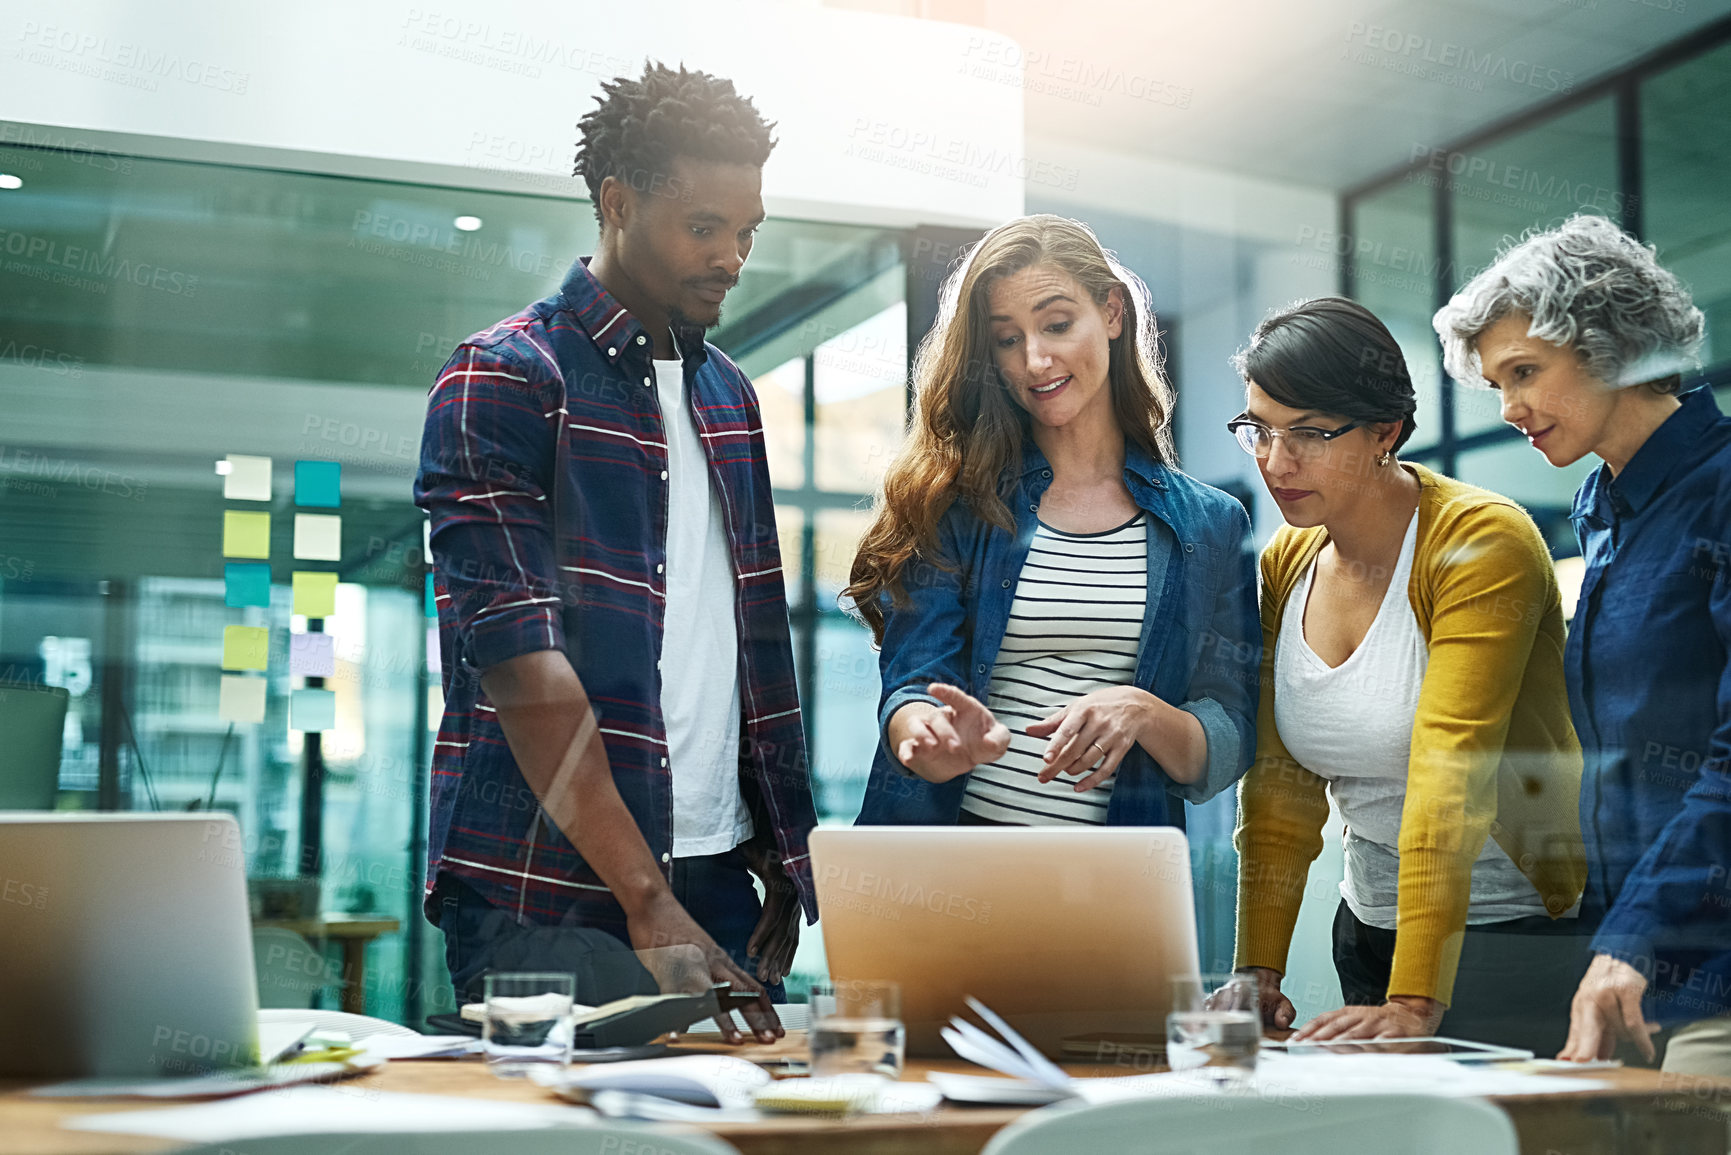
(315, 594)
(432, 606)
(246, 583)
(245, 647)
(245, 534)
(319, 483)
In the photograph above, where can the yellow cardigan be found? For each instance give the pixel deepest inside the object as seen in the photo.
(1493, 750)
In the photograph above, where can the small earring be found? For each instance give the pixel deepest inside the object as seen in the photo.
(1387, 456)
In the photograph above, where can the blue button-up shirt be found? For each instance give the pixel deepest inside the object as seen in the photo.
(1650, 692)
(1201, 644)
(544, 470)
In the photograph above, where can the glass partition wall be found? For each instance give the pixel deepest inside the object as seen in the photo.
(1650, 148)
(253, 637)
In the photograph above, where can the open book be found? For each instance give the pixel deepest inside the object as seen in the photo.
(1034, 1079)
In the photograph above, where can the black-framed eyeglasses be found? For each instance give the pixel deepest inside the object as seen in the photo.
(1302, 441)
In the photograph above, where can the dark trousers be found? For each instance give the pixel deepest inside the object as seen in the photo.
(716, 889)
(1512, 989)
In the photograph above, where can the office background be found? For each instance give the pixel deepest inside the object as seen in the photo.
(262, 235)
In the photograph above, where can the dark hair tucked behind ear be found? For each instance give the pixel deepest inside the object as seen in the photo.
(643, 124)
(1332, 355)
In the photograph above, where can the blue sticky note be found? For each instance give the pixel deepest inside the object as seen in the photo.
(431, 609)
(312, 710)
(319, 483)
(246, 583)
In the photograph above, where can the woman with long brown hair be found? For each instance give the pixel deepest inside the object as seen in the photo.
(1068, 624)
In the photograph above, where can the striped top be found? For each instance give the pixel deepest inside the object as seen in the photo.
(1074, 628)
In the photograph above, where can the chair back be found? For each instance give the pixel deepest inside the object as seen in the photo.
(32, 721)
(1292, 1125)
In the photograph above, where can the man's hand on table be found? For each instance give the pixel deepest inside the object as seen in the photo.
(664, 923)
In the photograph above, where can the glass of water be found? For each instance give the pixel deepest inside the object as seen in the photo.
(856, 1028)
(1215, 1027)
(527, 1021)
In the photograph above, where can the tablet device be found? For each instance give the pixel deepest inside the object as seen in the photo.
(1460, 1050)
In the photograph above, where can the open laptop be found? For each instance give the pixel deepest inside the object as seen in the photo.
(1071, 934)
(125, 945)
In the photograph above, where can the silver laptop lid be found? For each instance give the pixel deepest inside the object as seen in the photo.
(1072, 934)
(127, 945)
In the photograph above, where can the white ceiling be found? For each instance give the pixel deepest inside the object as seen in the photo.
(1293, 90)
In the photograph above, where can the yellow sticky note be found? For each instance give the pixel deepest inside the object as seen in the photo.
(245, 534)
(245, 647)
(315, 594)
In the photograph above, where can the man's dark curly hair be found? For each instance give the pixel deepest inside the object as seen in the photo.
(641, 125)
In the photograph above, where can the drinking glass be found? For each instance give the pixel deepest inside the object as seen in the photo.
(856, 1028)
(1215, 1026)
(527, 1021)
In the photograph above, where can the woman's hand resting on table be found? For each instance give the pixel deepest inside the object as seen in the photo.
(1401, 1017)
(1277, 1010)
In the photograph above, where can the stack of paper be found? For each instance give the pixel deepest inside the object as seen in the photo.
(1034, 1079)
(698, 1080)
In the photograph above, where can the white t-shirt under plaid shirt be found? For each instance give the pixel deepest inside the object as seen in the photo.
(1074, 628)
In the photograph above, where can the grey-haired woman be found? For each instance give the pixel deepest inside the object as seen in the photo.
(1586, 337)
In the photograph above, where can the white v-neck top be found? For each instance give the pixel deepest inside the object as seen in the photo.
(1351, 724)
(700, 697)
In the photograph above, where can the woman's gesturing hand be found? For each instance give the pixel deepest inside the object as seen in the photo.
(1092, 734)
(940, 742)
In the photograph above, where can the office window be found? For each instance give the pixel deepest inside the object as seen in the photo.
(1532, 179)
(1394, 276)
(1685, 171)
(861, 401)
(162, 321)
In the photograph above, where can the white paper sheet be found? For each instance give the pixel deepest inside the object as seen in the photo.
(310, 1110)
(221, 1085)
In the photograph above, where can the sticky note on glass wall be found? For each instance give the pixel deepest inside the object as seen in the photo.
(242, 699)
(430, 606)
(246, 478)
(315, 594)
(313, 710)
(319, 483)
(245, 534)
(246, 583)
(318, 537)
(313, 655)
(245, 647)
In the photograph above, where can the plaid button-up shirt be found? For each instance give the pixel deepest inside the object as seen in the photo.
(543, 467)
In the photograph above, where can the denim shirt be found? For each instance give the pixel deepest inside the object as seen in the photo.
(1649, 671)
(1201, 646)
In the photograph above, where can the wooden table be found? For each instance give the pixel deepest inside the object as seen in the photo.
(354, 932)
(1641, 1111)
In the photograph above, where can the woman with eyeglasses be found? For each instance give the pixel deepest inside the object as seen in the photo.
(1412, 671)
(1068, 623)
